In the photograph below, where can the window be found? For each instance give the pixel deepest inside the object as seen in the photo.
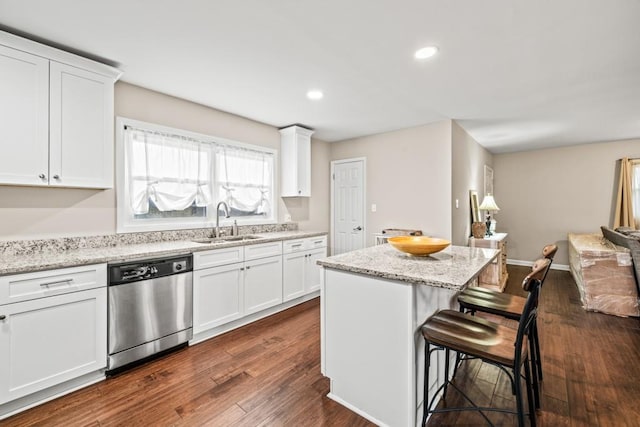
(173, 179)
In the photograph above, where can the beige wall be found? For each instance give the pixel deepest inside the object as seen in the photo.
(407, 177)
(468, 160)
(312, 213)
(545, 194)
(30, 212)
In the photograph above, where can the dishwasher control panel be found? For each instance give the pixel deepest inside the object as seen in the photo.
(127, 272)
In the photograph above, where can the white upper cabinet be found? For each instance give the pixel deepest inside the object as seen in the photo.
(24, 108)
(57, 127)
(81, 129)
(295, 161)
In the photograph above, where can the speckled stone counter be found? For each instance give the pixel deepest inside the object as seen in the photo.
(45, 258)
(452, 268)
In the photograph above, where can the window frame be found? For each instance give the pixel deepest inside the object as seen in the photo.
(125, 223)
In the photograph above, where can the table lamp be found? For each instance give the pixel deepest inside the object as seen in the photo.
(489, 204)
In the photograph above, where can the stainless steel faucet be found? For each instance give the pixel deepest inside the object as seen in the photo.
(226, 215)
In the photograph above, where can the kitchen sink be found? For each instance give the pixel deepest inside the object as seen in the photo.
(240, 238)
(210, 240)
(214, 240)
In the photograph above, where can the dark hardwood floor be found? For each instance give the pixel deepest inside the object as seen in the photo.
(268, 373)
(591, 365)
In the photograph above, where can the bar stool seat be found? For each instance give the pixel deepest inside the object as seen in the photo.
(473, 335)
(505, 305)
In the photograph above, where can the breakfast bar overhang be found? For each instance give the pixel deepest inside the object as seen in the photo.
(373, 302)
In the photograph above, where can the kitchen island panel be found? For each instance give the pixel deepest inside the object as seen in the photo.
(373, 348)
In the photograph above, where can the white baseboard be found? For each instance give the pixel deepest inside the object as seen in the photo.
(355, 409)
(562, 267)
(38, 398)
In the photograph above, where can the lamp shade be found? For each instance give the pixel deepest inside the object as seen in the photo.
(488, 204)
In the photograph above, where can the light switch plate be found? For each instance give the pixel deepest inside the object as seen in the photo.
(374, 207)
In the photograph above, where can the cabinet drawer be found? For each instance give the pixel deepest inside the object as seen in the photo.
(290, 246)
(316, 242)
(29, 286)
(217, 257)
(262, 250)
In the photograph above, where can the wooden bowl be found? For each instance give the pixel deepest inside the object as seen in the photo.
(418, 245)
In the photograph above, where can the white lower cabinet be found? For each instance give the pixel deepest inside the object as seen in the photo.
(47, 341)
(301, 274)
(218, 296)
(246, 282)
(293, 278)
(312, 270)
(262, 284)
(228, 287)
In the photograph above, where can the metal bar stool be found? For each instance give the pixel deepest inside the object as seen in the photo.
(509, 306)
(477, 338)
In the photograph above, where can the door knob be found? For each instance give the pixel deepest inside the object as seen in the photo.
(358, 228)
(2, 316)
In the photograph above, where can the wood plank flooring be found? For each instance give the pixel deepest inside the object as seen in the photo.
(268, 374)
(591, 366)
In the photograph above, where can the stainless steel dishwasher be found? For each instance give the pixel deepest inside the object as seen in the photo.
(150, 308)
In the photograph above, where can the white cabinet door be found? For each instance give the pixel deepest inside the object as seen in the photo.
(293, 275)
(24, 118)
(51, 340)
(262, 284)
(217, 296)
(312, 270)
(295, 156)
(81, 128)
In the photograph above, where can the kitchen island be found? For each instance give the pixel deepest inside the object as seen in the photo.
(373, 302)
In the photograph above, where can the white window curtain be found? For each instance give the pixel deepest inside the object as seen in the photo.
(244, 180)
(172, 171)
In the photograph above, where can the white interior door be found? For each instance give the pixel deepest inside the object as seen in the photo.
(347, 205)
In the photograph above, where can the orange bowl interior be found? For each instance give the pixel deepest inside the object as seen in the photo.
(418, 245)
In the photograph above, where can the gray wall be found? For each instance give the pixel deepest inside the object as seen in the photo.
(32, 212)
(468, 160)
(545, 194)
(408, 177)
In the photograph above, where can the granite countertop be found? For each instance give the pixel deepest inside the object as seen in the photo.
(451, 268)
(49, 260)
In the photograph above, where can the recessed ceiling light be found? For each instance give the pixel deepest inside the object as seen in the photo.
(425, 52)
(315, 94)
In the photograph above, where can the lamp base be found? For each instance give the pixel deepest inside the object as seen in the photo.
(488, 225)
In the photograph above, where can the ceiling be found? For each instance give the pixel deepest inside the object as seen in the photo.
(516, 74)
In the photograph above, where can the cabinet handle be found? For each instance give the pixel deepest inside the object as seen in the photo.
(56, 176)
(296, 245)
(2, 317)
(248, 267)
(57, 282)
(42, 176)
(241, 268)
